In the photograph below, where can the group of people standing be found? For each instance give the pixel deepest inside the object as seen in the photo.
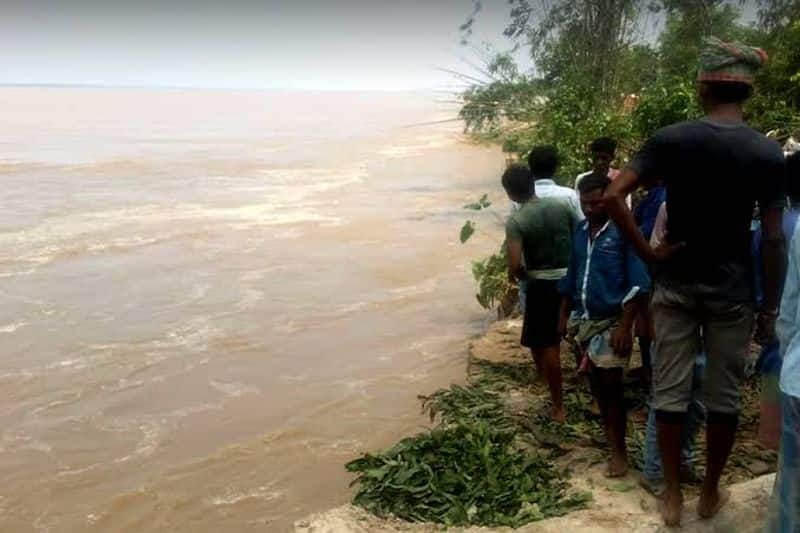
(678, 272)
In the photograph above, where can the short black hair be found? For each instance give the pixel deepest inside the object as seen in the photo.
(728, 92)
(606, 145)
(543, 161)
(793, 177)
(517, 181)
(593, 182)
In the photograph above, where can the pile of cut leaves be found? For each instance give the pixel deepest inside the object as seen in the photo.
(470, 469)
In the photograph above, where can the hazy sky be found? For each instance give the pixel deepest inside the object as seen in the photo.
(310, 44)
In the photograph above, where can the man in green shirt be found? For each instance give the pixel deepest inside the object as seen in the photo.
(541, 230)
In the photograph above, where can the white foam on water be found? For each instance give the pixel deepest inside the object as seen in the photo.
(339, 447)
(285, 200)
(250, 299)
(151, 431)
(232, 497)
(234, 389)
(18, 440)
(426, 287)
(353, 307)
(11, 328)
(293, 378)
(420, 146)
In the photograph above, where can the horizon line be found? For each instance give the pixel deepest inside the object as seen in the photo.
(56, 85)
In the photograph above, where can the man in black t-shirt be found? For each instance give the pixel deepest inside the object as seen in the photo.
(715, 170)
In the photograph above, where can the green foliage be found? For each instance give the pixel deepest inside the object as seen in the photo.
(482, 203)
(466, 231)
(687, 23)
(459, 475)
(776, 104)
(664, 103)
(589, 83)
(492, 277)
(475, 403)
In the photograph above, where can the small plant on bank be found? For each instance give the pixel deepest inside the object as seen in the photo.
(491, 273)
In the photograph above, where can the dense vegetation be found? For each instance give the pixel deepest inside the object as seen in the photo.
(619, 68)
(624, 68)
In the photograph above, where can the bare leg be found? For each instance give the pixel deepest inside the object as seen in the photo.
(670, 433)
(720, 433)
(551, 364)
(537, 361)
(608, 389)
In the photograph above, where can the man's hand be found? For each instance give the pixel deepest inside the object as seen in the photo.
(622, 339)
(765, 327)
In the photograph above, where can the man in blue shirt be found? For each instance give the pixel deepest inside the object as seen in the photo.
(605, 286)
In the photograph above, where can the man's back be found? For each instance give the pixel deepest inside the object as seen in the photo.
(714, 174)
(544, 225)
(548, 188)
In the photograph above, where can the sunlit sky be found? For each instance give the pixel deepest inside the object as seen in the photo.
(290, 44)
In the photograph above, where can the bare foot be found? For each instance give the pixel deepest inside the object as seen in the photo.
(671, 508)
(558, 415)
(709, 505)
(617, 466)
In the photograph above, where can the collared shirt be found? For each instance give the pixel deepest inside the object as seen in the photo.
(788, 325)
(604, 273)
(548, 188)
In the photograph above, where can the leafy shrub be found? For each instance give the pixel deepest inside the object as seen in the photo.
(492, 277)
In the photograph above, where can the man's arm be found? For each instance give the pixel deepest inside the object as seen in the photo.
(577, 212)
(773, 262)
(621, 214)
(622, 336)
(514, 252)
(567, 288)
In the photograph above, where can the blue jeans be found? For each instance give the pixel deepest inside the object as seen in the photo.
(653, 469)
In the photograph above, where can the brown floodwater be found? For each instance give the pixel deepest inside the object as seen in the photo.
(210, 301)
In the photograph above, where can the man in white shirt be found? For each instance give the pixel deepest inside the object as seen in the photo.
(543, 162)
